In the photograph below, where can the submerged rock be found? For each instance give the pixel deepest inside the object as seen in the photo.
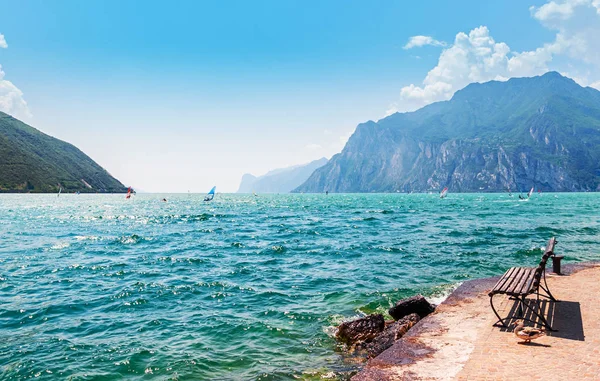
(361, 330)
(414, 305)
(391, 333)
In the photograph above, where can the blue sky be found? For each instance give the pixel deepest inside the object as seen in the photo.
(177, 96)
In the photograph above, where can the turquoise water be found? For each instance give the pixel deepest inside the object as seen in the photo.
(94, 287)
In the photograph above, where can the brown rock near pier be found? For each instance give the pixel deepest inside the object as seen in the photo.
(360, 330)
(392, 332)
(459, 341)
(414, 305)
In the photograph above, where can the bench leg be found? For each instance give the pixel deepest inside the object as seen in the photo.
(547, 290)
(500, 320)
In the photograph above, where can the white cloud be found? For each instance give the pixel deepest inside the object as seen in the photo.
(313, 147)
(477, 57)
(553, 10)
(473, 57)
(577, 28)
(11, 97)
(418, 41)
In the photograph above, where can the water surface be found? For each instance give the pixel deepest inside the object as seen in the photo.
(94, 287)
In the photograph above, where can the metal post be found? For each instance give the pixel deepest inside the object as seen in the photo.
(556, 263)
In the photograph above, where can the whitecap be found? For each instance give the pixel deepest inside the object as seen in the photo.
(60, 245)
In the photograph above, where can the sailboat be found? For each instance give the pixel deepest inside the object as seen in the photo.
(444, 192)
(210, 195)
(59, 190)
(530, 192)
(128, 194)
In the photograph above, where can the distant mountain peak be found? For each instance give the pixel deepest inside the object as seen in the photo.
(553, 74)
(282, 180)
(540, 131)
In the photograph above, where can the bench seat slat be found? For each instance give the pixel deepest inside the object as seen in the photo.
(524, 284)
(504, 280)
(518, 280)
(522, 280)
(511, 281)
(532, 286)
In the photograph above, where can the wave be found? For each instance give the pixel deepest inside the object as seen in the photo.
(244, 290)
(60, 245)
(380, 211)
(130, 240)
(275, 249)
(391, 249)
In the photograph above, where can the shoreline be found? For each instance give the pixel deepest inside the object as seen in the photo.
(434, 193)
(447, 338)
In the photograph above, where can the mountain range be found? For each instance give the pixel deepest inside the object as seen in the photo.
(282, 180)
(496, 136)
(31, 161)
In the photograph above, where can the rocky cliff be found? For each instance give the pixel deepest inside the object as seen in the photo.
(542, 131)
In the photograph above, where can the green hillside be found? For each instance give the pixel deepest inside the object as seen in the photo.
(31, 161)
(541, 132)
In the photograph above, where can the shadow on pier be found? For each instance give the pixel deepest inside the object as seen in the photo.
(564, 316)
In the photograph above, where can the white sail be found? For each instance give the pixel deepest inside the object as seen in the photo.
(444, 192)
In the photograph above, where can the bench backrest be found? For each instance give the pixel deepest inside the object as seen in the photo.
(550, 246)
(537, 278)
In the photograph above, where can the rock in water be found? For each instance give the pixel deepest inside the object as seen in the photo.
(360, 330)
(417, 304)
(391, 333)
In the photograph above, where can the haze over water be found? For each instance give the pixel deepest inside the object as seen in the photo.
(95, 287)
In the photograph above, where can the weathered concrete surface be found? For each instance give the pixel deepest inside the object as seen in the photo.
(458, 341)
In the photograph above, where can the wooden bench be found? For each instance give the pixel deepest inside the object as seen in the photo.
(519, 282)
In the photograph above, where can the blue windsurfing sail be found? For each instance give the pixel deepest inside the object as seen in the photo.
(211, 194)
